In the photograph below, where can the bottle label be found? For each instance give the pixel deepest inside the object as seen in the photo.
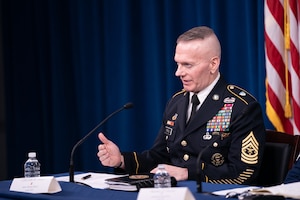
(162, 181)
(31, 169)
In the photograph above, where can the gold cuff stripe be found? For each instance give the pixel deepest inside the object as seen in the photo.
(137, 163)
(239, 180)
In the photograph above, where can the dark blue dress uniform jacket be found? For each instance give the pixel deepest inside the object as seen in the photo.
(229, 122)
(294, 173)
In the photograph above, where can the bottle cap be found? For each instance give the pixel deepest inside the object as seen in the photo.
(161, 166)
(31, 154)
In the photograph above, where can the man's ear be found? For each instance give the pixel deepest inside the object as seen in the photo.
(214, 64)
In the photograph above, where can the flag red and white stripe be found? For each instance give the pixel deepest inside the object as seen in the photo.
(282, 34)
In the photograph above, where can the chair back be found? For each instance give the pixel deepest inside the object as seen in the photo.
(292, 140)
(281, 151)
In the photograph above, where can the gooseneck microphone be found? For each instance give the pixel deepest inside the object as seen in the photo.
(200, 176)
(71, 169)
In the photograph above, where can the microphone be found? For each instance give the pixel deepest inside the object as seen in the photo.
(200, 177)
(71, 169)
(199, 168)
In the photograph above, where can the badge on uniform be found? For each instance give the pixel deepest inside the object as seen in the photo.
(224, 135)
(229, 100)
(220, 122)
(168, 131)
(242, 93)
(250, 147)
(170, 123)
(217, 159)
(207, 136)
(175, 117)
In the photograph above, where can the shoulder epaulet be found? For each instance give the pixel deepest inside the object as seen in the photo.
(180, 92)
(240, 93)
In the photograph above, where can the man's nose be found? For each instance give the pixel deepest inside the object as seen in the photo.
(179, 71)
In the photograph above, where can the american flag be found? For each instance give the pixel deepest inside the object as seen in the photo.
(282, 34)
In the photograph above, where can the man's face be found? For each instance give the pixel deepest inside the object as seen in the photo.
(196, 66)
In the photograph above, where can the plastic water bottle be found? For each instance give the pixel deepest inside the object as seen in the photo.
(32, 166)
(162, 178)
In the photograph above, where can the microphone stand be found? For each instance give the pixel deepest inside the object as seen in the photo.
(71, 168)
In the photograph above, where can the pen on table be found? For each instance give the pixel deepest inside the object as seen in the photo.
(86, 177)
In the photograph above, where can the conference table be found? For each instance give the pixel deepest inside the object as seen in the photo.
(80, 192)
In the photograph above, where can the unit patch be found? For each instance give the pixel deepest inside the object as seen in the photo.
(249, 153)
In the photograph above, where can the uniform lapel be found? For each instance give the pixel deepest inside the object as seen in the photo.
(182, 109)
(212, 104)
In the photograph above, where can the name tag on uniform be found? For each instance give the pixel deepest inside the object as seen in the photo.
(168, 131)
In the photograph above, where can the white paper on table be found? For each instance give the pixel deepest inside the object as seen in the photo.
(97, 180)
(178, 193)
(234, 190)
(289, 190)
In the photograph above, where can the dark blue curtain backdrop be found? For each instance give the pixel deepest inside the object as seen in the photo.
(70, 63)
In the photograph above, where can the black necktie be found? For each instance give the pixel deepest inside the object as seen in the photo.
(195, 102)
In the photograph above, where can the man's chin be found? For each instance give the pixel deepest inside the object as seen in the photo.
(188, 89)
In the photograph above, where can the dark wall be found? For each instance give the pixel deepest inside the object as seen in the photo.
(2, 111)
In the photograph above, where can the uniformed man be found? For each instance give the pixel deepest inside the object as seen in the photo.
(223, 123)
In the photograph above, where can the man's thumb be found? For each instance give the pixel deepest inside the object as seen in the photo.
(103, 139)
